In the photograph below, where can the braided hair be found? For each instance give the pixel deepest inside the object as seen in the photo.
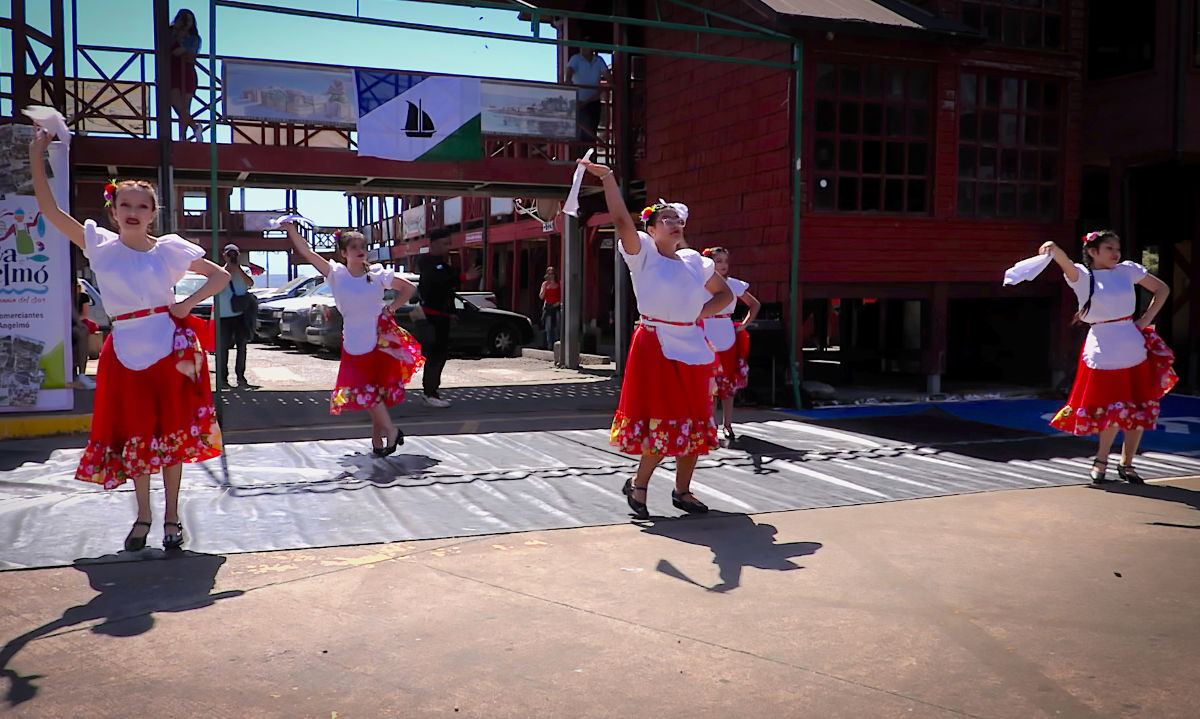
(1092, 241)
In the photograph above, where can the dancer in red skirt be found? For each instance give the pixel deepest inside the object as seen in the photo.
(731, 341)
(1125, 367)
(665, 408)
(153, 407)
(378, 357)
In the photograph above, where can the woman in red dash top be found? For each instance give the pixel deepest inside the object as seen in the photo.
(730, 340)
(665, 408)
(378, 357)
(153, 408)
(551, 296)
(1125, 367)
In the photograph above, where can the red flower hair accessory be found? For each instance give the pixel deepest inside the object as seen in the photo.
(1091, 237)
(110, 193)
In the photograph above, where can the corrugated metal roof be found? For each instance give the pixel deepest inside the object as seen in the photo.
(883, 14)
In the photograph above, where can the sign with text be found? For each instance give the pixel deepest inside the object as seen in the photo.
(35, 282)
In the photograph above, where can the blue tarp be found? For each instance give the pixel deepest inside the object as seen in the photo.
(1178, 429)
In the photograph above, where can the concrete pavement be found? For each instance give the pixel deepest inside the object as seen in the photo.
(1057, 602)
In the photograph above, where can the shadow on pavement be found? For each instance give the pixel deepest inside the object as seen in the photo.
(1164, 492)
(130, 592)
(736, 541)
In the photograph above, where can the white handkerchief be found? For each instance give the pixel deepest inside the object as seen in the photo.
(571, 206)
(49, 119)
(300, 219)
(1027, 269)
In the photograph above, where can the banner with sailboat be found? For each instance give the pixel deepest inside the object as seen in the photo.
(431, 118)
(400, 115)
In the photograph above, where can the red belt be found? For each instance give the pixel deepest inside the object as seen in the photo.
(1119, 319)
(140, 313)
(667, 322)
(722, 317)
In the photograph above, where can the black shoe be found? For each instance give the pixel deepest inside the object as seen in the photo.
(730, 437)
(244, 383)
(691, 506)
(385, 451)
(1098, 469)
(173, 541)
(1129, 474)
(134, 544)
(639, 508)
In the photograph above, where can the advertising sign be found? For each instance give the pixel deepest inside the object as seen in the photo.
(35, 281)
(292, 93)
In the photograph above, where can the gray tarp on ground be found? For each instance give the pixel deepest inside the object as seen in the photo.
(262, 497)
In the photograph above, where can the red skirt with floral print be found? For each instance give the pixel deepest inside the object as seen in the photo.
(665, 406)
(144, 420)
(365, 380)
(1127, 398)
(735, 366)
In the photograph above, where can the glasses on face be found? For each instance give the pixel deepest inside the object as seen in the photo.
(674, 222)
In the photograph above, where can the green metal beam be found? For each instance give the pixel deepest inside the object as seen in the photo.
(795, 335)
(399, 24)
(213, 200)
(755, 33)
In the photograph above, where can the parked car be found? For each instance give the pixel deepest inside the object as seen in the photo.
(96, 311)
(478, 329)
(266, 325)
(191, 282)
(293, 313)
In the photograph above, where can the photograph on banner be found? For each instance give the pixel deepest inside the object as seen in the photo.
(35, 275)
(309, 94)
(510, 108)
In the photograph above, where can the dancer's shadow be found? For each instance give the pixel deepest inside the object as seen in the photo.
(736, 541)
(130, 592)
(1164, 492)
(386, 470)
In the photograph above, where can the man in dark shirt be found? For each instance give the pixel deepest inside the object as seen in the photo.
(439, 281)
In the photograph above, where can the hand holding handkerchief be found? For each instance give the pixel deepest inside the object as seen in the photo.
(299, 219)
(1027, 269)
(571, 206)
(50, 120)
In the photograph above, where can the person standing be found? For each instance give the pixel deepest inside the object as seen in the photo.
(233, 303)
(1124, 368)
(587, 70)
(153, 406)
(185, 46)
(665, 407)
(551, 296)
(439, 282)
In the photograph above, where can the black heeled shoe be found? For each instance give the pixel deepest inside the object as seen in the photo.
(391, 448)
(691, 506)
(1129, 474)
(730, 437)
(1098, 469)
(134, 544)
(174, 541)
(639, 508)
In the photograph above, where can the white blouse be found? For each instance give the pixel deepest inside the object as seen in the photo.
(1111, 345)
(360, 303)
(131, 280)
(672, 290)
(719, 330)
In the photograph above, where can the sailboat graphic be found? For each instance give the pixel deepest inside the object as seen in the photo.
(419, 124)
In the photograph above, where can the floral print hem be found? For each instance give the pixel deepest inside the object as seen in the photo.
(664, 437)
(728, 386)
(1093, 420)
(113, 466)
(349, 399)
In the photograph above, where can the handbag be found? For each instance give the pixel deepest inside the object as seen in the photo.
(240, 303)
